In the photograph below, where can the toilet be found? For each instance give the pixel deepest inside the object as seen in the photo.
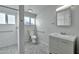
(33, 37)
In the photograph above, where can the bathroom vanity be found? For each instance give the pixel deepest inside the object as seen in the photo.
(61, 43)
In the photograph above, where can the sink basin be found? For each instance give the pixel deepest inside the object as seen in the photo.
(63, 36)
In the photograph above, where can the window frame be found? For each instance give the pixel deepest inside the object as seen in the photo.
(30, 21)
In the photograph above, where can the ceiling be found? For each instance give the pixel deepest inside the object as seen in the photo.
(36, 8)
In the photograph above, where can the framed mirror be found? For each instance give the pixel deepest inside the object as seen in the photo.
(64, 17)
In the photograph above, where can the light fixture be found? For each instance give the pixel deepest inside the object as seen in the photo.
(63, 7)
(30, 10)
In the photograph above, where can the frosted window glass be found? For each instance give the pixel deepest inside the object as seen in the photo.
(11, 19)
(2, 18)
(32, 21)
(26, 20)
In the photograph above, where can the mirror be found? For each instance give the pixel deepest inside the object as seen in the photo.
(64, 17)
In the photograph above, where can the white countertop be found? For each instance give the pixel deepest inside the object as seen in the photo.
(63, 36)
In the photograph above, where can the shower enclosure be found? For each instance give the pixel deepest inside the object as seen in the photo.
(18, 30)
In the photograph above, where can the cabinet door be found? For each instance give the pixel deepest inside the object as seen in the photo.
(60, 46)
(65, 46)
(52, 45)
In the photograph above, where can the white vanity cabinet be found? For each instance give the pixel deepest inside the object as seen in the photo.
(61, 44)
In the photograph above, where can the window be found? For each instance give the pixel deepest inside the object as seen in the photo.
(26, 20)
(11, 19)
(29, 21)
(2, 18)
(32, 21)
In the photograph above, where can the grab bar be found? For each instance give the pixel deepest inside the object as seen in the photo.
(41, 31)
(6, 31)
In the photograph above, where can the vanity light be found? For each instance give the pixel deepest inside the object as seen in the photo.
(63, 7)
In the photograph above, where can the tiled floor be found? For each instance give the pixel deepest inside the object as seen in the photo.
(29, 49)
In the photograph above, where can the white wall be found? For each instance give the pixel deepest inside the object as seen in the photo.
(44, 26)
(47, 21)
